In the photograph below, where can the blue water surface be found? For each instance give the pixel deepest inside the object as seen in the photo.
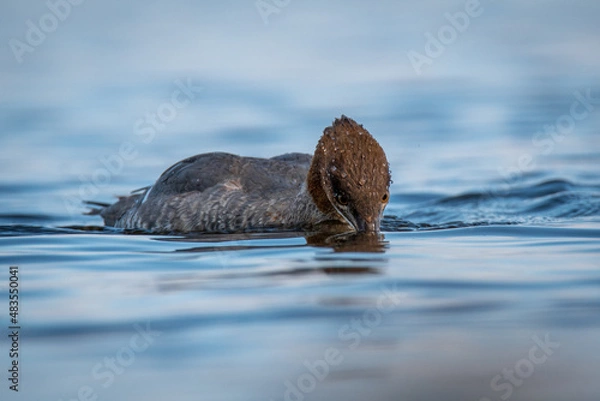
(484, 285)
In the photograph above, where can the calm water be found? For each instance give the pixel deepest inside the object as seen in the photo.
(484, 285)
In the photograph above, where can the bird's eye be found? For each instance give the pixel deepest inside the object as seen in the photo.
(385, 197)
(342, 198)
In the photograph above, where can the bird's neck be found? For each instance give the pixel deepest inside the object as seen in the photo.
(314, 186)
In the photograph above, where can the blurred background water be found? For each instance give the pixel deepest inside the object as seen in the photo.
(489, 113)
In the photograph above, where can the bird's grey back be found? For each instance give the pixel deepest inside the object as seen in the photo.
(200, 172)
(204, 181)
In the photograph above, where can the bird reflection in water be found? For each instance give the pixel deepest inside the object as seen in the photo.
(364, 251)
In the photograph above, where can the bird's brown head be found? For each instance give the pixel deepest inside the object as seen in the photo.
(349, 176)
